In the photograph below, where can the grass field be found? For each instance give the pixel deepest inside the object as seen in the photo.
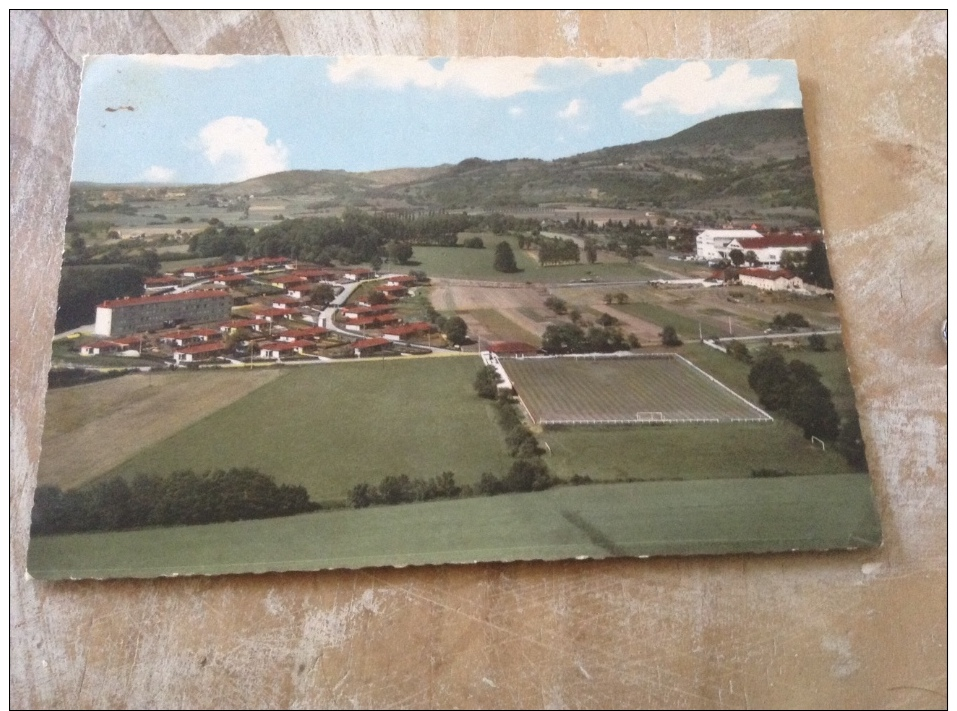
(686, 451)
(686, 326)
(653, 518)
(604, 390)
(503, 327)
(476, 264)
(329, 427)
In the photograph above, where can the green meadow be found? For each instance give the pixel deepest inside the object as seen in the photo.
(635, 519)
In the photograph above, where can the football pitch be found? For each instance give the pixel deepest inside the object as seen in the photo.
(659, 388)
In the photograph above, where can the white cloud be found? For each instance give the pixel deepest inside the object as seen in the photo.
(200, 62)
(158, 174)
(691, 89)
(489, 77)
(238, 149)
(573, 109)
(516, 111)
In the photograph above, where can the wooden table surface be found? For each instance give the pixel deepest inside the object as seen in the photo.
(832, 630)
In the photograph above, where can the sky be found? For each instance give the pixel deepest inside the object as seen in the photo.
(179, 119)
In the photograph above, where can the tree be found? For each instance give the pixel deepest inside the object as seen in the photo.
(474, 243)
(486, 382)
(770, 378)
(563, 338)
(816, 269)
(737, 257)
(751, 257)
(789, 320)
(322, 294)
(504, 258)
(399, 252)
(591, 250)
(455, 330)
(669, 337)
(556, 304)
(850, 442)
(816, 342)
(377, 298)
(812, 409)
(739, 351)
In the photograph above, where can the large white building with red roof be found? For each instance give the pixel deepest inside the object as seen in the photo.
(769, 249)
(119, 317)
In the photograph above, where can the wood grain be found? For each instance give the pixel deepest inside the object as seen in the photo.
(836, 630)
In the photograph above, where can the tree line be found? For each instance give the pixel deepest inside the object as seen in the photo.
(182, 498)
(795, 390)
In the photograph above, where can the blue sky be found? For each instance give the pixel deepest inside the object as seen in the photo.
(213, 119)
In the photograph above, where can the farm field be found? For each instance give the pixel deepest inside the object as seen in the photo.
(639, 388)
(90, 429)
(493, 325)
(648, 518)
(329, 427)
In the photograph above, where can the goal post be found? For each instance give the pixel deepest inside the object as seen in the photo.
(654, 416)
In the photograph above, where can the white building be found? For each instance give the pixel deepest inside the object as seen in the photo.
(713, 244)
(118, 317)
(771, 279)
(770, 249)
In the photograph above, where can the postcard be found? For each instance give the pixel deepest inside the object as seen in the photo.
(339, 312)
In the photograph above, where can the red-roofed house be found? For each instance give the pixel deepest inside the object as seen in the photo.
(395, 290)
(376, 321)
(287, 280)
(407, 330)
(359, 311)
(185, 338)
(299, 334)
(237, 324)
(358, 274)
(230, 280)
(369, 345)
(115, 346)
(511, 348)
(401, 280)
(272, 315)
(190, 354)
(276, 350)
(771, 279)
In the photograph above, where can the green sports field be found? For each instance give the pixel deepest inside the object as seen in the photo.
(595, 390)
(652, 518)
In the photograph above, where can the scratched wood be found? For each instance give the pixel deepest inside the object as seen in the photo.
(835, 630)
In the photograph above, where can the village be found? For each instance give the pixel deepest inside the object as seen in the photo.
(282, 310)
